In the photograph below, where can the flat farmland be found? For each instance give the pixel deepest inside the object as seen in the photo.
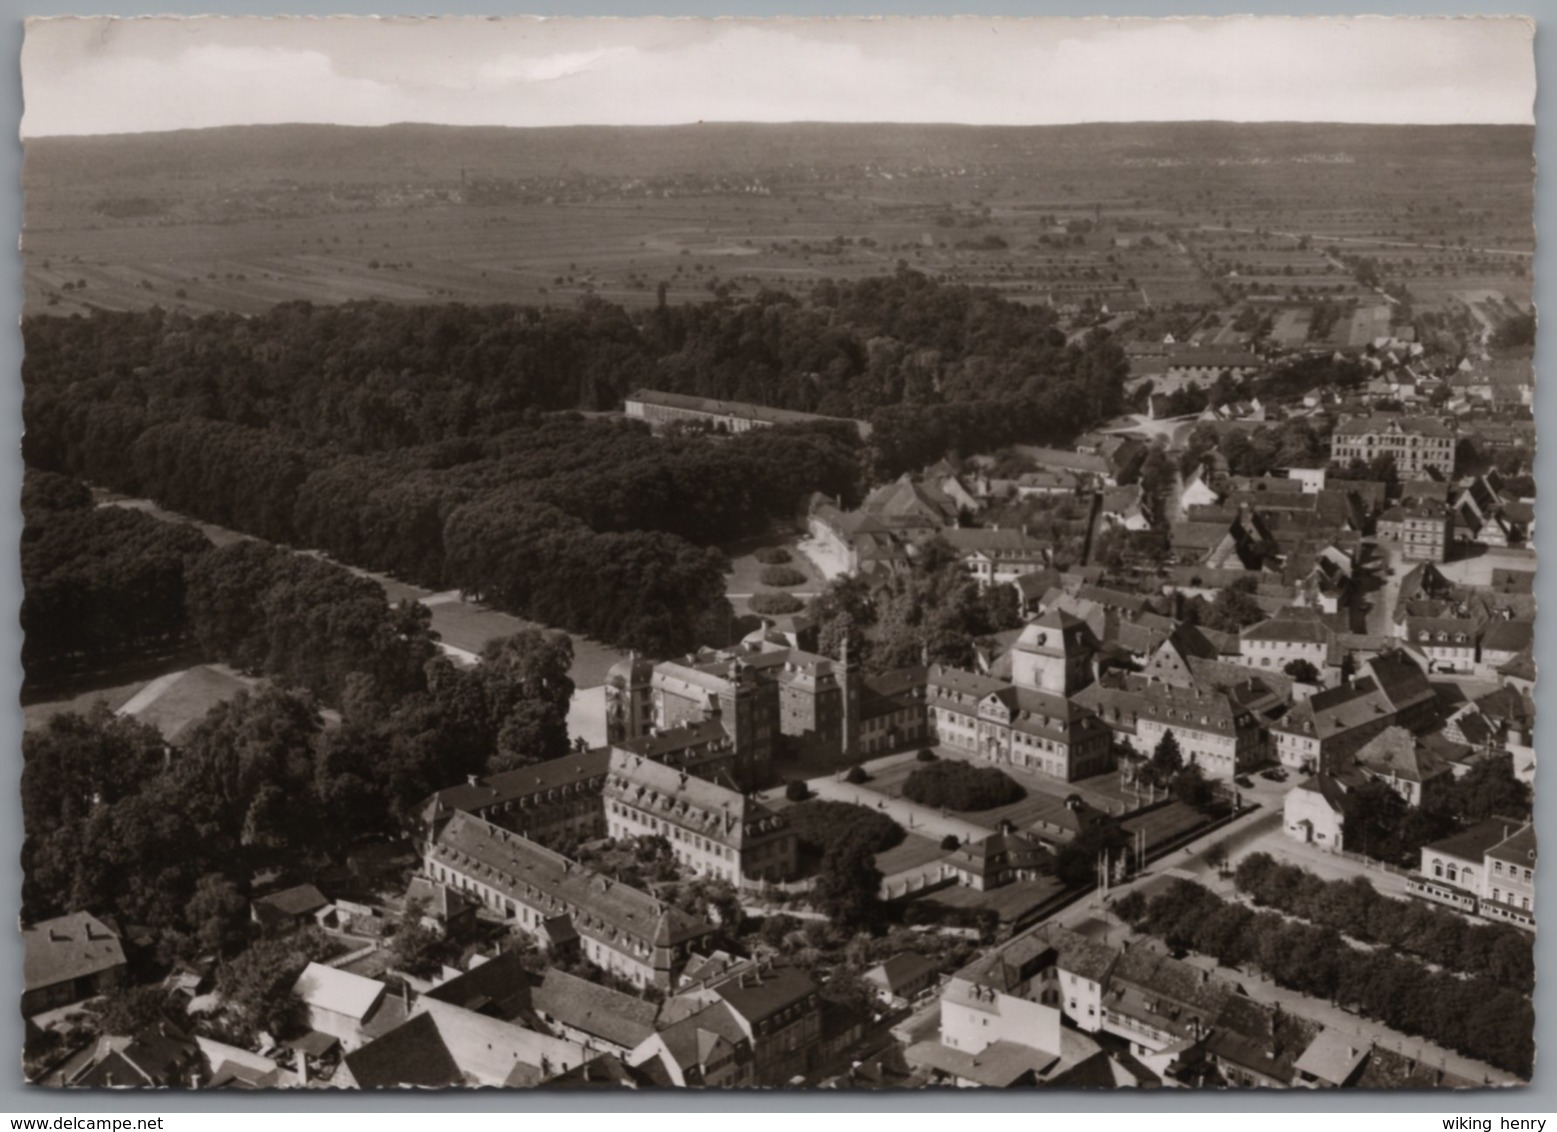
(538, 254)
(248, 217)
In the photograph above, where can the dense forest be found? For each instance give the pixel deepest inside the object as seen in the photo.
(450, 445)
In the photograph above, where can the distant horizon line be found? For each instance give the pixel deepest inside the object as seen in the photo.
(25, 137)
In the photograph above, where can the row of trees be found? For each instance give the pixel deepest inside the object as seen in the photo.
(1499, 952)
(605, 496)
(373, 377)
(98, 582)
(1475, 1016)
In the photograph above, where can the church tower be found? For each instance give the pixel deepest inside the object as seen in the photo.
(1054, 654)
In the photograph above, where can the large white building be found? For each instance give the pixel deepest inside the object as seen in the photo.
(712, 830)
(1416, 443)
(1032, 721)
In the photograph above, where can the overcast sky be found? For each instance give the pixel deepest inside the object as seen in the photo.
(101, 75)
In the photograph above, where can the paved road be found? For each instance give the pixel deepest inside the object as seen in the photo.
(1381, 612)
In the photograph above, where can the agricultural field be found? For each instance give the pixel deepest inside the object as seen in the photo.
(1122, 217)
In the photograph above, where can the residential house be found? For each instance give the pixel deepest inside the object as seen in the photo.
(1449, 644)
(708, 1049)
(1508, 880)
(159, 1055)
(777, 1007)
(596, 1017)
(1215, 730)
(443, 1045)
(1502, 641)
(1292, 635)
(1007, 995)
(1204, 365)
(339, 1003)
(67, 959)
(1323, 731)
(1316, 810)
(1092, 470)
(1122, 507)
(1406, 687)
(1452, 869)
(899, 981)
(997, 557)
(1157, 1003)
(997, 860)
(1396, 758)
(288, 909)
(1423, 529)
(1333, 1060)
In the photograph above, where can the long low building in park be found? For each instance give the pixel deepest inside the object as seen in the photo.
(726, 416)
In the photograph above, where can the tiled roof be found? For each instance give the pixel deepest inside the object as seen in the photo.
(410, 1055)
(1420, 426)
(738, 409)
(499, 988)
(973, 540)
(1508, 636)
(1337, 710)
(538, 877)
(340, 992)
(1285, 628)
(903, 969)
(590, 1008)
(1519, 849)
(717, 812)
(757, 991)
(513, 785)
(1394, 752)
(300, 900)
(1193, 709)
(68, 947)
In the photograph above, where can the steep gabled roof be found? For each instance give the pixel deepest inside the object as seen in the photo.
(413, 1054)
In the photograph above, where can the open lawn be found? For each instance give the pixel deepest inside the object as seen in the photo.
(745, 576)
(469, 626)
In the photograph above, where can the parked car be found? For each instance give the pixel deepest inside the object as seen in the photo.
(1275, 774)
(1245, 781)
